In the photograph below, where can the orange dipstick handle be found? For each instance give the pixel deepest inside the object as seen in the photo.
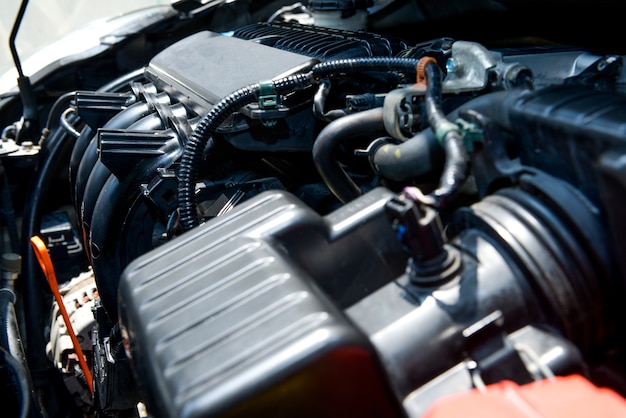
(48, 270)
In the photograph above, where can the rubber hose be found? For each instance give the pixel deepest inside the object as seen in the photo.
(199, 140)
(59, 105)
(22, 382)
(408, 159)
(456, 167)
(432, 98)
(325, 149)
(10, 336)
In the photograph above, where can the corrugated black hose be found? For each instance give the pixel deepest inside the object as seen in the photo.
(202, 135)
(15, 356)
(405, 65)
(199, 140)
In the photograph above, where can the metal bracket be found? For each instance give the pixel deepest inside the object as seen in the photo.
(468, 67)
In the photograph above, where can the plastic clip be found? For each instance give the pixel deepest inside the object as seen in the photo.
(268, 99)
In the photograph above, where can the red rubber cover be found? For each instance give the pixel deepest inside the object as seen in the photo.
(562, 397)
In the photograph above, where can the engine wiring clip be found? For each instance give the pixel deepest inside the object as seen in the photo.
(268, 109)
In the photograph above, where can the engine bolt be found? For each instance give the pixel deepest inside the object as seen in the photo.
(453, 66)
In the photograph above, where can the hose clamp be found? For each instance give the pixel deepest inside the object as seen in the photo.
(445, 128)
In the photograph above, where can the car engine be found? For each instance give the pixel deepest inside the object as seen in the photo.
(338, 208)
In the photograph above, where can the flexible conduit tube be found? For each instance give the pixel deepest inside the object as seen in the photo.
(325, 147)
(325, 69)
(194, 149)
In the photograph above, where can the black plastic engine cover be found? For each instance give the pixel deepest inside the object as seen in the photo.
(207, 66)
(320, 42)
(242, 315)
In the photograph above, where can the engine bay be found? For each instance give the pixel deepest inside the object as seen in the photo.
(351, 208)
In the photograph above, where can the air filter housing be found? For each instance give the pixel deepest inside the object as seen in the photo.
(222, 321)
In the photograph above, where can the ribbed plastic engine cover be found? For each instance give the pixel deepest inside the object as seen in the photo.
(228, 320)
(320, 42)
